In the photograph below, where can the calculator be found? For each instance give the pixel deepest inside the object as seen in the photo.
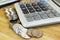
(32, 14)
(3, 2)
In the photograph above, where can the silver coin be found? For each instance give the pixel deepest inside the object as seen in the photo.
(37, 33)
(34, 33)
(29, 32)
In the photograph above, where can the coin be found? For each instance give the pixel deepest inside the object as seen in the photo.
(36, 33)
(29, 32)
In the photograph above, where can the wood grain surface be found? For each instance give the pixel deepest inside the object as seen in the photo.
(50, 32)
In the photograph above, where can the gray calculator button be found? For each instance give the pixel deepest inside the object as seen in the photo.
(27, 15)
(29, 19)
(49, 14)
(43, 15)
(55, 13)
(50, 8)
(47, 4)
(36, 17)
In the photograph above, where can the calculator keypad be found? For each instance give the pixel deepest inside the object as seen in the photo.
(38, 11)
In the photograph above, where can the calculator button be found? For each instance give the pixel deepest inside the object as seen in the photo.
(44, 9)
(40, 3)
(37, 8)
(41, 6)
(55, 13)
(33, 16)
(29, 17)
(33, 4)
(36, 17)
(25, 11)
(22, 5)
(46, 4)
(28, 5)
(50, 8)
(49, 14)
(31, 10)
(43, 15)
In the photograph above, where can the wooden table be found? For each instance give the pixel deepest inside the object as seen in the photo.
(50, 32)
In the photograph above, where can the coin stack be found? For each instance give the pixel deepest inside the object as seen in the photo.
(26, 33)
(11, 14)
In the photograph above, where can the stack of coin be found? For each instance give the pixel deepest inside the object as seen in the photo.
(11, 14)
(34, 33)
(8, 14)
(25, 33)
